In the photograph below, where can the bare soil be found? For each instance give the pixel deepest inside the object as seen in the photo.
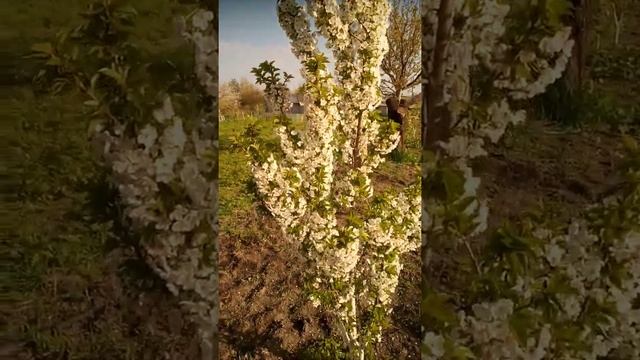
(125, 314)
(541, 163)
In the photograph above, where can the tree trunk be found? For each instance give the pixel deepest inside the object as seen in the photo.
(435, 116)
(582, 21)
(398, 94)
(436, 125)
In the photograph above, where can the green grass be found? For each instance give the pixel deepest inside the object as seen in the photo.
(53, 173)
(58, 231)
(234, 168)
(47, 134)
(33, 21)
(38, 20)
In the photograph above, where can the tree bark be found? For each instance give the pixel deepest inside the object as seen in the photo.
(437, 122)
(582, 21)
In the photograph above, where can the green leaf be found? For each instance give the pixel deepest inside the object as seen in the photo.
(128, 9)
(555, 11)
(453, 183)
(54, 61)
(522, 71)
(436, 307)
(568, 332)
(506, 241)
(558, 284)
(462, 353)
(114, 75)
(521, 322)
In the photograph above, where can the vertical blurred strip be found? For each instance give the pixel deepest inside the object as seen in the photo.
(423, 132)
(436, 120)
(213, 6)
(215, 9)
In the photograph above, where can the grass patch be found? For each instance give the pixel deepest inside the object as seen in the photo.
(235, 169)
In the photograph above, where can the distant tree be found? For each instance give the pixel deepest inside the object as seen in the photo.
(251, 96)
(235, 85)
(402, 64)
(229, 98)
(276, 89)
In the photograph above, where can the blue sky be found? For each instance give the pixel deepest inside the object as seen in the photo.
(249, 34)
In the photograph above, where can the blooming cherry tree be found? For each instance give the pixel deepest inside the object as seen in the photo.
(318, 186)
(163, 163)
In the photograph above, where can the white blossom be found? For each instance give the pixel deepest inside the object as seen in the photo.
(326, 168)
(176, 234)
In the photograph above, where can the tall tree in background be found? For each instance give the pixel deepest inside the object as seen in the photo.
(229, 99)
(234, 85)
(251, 96)
(402, 63)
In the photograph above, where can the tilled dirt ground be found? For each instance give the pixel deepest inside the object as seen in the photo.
(542, 164)
(109, 319)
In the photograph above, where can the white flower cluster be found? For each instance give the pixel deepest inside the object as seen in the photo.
(591, 275)
(201, 33)
(476, 42)
(325, 169)
(477, 38)
(601, 270)
(489, 330)
(557, 48)
(392, 231)
(587, 277)
(163, 177)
